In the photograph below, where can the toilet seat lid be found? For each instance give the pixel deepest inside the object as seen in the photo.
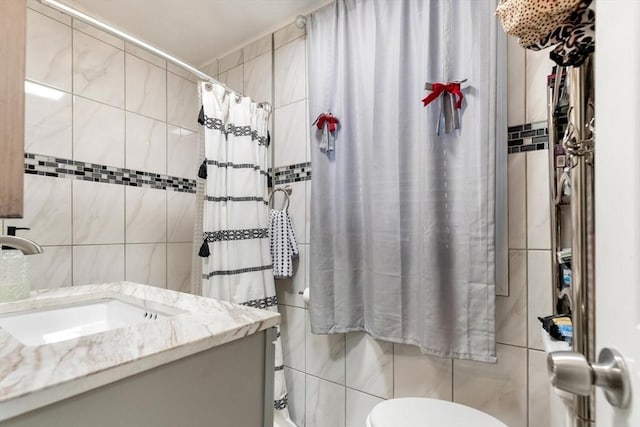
(422, 412)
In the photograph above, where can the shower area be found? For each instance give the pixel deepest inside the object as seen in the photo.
(155, 233)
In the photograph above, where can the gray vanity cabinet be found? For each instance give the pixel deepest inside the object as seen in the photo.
(226, 386)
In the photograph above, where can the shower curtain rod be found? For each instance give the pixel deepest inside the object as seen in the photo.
(133, 40)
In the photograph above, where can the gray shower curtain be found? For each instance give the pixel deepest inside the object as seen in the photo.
(403, 220)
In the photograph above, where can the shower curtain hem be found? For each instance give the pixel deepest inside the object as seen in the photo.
(425, 350)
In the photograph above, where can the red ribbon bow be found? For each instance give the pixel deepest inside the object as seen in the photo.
(438, 88)
(328, 119)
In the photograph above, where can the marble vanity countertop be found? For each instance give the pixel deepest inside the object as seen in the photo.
(34, 376)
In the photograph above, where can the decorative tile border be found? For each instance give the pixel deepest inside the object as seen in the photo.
(291, 173)
(37, 164)
(528, 137)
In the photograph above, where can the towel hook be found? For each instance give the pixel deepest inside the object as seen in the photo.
(287, 192)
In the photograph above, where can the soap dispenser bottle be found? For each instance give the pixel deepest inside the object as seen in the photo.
(15, 279)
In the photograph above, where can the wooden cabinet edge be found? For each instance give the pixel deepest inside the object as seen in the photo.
(12, 74)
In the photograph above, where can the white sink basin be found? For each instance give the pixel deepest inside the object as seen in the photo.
(65, 322)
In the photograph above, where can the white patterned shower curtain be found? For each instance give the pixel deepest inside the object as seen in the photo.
(235, 210)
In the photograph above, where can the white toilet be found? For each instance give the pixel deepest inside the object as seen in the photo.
(422, 412)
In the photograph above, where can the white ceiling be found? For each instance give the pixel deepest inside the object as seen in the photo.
(197, 30)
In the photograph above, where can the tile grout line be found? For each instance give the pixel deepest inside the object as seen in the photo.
(527, 380)
(73, 278)
(124, 145)
(528, 320)
(166, 168)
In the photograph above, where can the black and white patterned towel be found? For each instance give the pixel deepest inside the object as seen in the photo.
(283, 243)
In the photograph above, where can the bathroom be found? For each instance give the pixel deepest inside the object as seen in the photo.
(109, 108)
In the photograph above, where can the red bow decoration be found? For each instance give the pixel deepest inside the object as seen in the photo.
(329, 120)
(451, 87)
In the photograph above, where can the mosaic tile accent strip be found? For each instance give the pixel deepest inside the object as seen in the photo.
(291, 173)
(37, 164)
(528, 137)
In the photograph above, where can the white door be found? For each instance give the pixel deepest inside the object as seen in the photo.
(617, 69)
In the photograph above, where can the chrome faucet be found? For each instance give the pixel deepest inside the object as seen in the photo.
(28, 247)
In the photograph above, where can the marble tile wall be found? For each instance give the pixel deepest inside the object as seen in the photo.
(335, 380)
(93, 98)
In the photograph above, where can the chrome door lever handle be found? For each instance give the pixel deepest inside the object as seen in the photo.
(571, 372)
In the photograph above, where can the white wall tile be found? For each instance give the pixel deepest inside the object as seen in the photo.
(540, 294)
(171, 67)
(146, 215)
(418, 375)
(235, 78)
(182, 102)
(146, 88)
(179, 256)
(92, 216)
(146, 264)
(98, 70)
(369, 365)
(498, 389)
(98, 132)
(114, 41)
(296, 381)
(98, 264)
(182, 152)
(258, 78)
(98, 213)
(181, 211)
(325, 355)
(257, 48)
(146, 144)
(517, 176)
(147, 56)
(230, 61)
(288, 289)
(290, 73)
(511, 311)
(538, 200)
(539, 390)
(211, 68)
(293, 335)
(325, 403)
(358, 407)
(222, 78)
(47, 210)
(51, 268)
(48, 11)
(48, 51)
(515, 82)
(287, 34)
(538, 68)
(291, 134)
(48, 125)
